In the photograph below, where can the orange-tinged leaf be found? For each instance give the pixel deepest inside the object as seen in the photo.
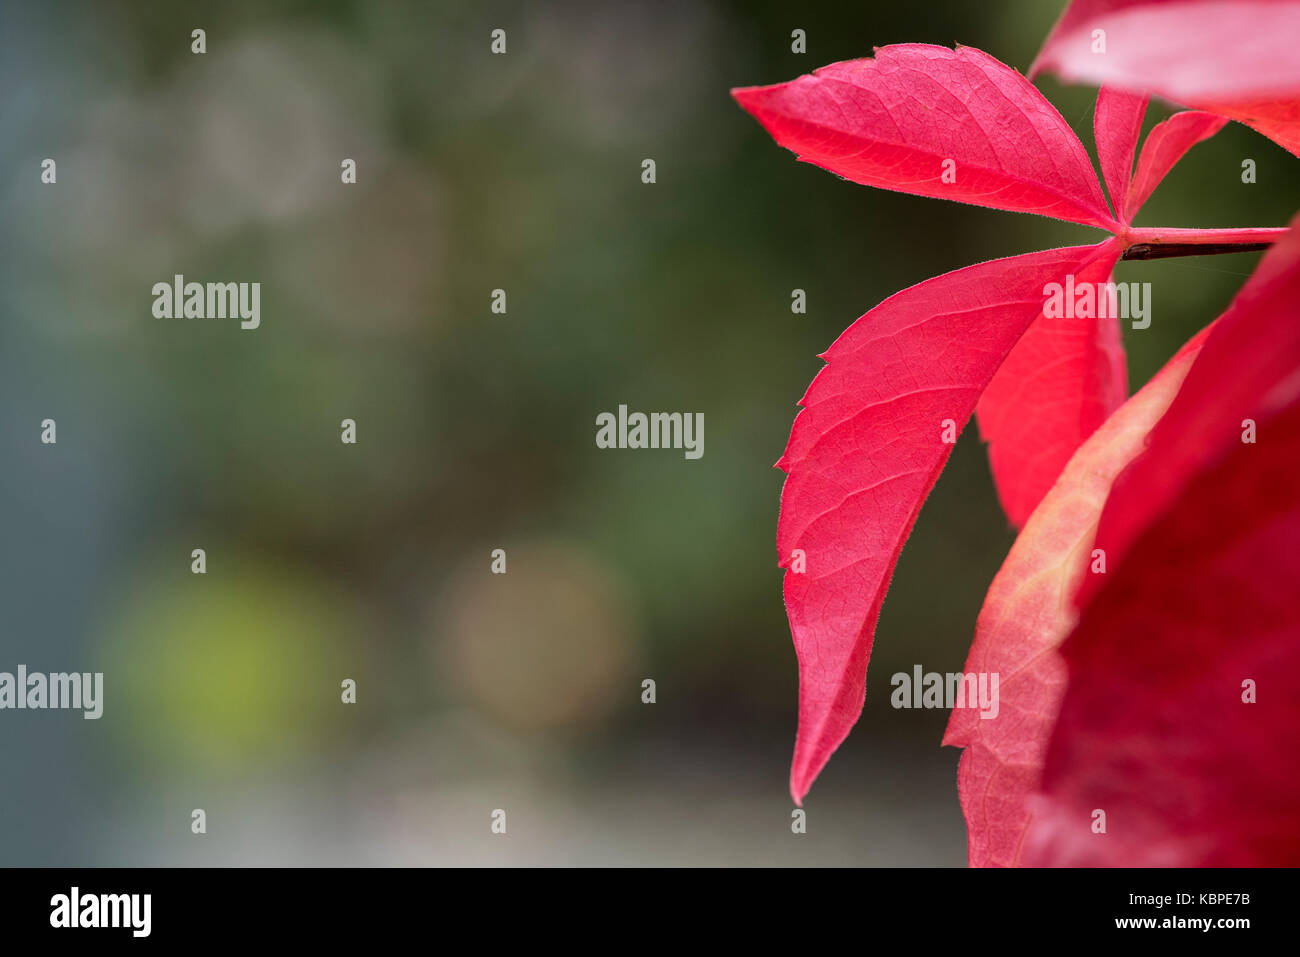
(1027, 613)
(1181, 722)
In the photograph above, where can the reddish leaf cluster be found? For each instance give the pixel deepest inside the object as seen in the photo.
(1148, 692)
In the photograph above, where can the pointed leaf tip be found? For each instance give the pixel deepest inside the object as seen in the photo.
(937, 122)
(864, 453)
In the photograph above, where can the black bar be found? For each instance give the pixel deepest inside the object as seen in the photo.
(440, 907)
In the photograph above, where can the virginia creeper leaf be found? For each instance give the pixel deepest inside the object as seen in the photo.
(1165, 145)
(1200, 598)
(1027, 613)
(1231, 57)
(1116, 124)
(953, 124)
(1278, 119)
(1061, 381)
(876, 427)
(1253, 350)
(1181, 722)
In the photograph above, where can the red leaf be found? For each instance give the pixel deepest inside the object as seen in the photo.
(1116, 124)
(1231, 57)
(1060, 382)
(1155, 730)
(865, 451)
(1164, 147)
(1027, 613)
(894, 120)
(1201, 596)
(1254, 350)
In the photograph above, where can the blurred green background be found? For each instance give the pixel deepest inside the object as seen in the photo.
(475, 431)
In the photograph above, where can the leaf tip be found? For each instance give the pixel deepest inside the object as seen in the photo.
(749, 98)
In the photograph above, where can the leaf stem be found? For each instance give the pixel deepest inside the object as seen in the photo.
(1143, 244)
(1172, 250)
